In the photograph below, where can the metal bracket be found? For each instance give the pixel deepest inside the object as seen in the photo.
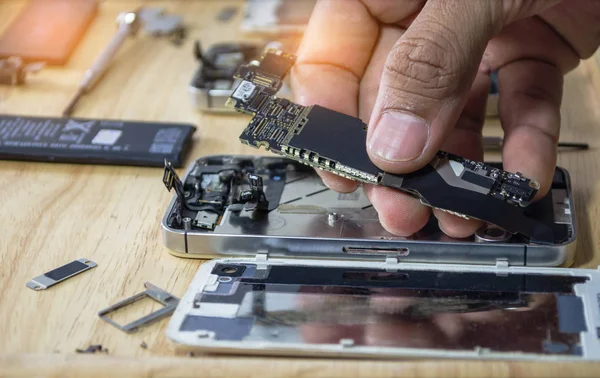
(169, 301)
(502, 264)
(60, 274)
(262, 255)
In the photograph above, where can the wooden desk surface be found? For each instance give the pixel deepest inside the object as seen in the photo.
(54, 213)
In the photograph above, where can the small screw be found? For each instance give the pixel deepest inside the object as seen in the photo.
(187, 223)
(203, 334)
(144, 345)
(332, 218)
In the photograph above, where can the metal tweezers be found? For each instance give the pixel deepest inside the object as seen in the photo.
(494, 143)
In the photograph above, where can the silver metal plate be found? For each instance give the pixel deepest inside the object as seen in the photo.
(60, 274)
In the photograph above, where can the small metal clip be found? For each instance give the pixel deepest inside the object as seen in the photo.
(502, 264)
(262, 255)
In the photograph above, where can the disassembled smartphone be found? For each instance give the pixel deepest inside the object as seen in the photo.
(525, 232)
(312, 272)
(213, 82)
(218, 211)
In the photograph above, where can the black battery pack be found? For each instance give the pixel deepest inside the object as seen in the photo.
(93, 141)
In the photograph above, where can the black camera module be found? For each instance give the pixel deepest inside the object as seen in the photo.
(227, 270)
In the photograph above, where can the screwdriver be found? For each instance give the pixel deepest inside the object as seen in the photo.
(496, 143)
(128, 25)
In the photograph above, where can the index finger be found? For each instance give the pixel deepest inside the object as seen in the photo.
(332, 58)
(340, 36)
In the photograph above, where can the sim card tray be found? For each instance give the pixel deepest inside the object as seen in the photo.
(169, 301)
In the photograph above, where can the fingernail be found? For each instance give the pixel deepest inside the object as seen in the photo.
(399, 137)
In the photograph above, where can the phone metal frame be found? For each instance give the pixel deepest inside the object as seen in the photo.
(204, 245)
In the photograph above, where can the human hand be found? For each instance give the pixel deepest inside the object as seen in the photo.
(418, 73)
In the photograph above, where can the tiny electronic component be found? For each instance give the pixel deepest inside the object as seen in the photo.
(254, 198)
(92, 349)
(212, 189)
(206, 219)
(451, 183)
(60, 274)
(167, 300)
(93, 141)
(277, 16)
(13, 71)
(156, 21)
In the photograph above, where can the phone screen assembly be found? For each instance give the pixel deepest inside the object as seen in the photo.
(383, 310)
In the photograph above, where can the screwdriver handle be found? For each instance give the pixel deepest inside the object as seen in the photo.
(92, 74)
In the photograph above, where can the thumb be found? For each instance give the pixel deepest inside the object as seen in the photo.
(427, 78)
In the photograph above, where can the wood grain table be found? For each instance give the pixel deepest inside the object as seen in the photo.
(54, 213)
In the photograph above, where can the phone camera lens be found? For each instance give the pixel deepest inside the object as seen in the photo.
(229, 270)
